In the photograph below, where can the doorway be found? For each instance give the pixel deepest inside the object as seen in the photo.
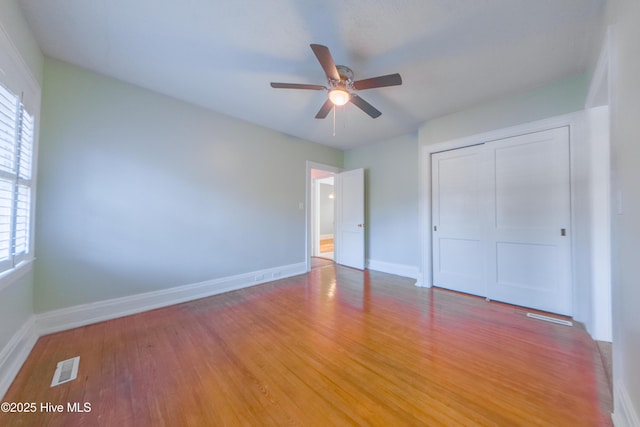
(324, 214)
(335, 216)
(321, 197)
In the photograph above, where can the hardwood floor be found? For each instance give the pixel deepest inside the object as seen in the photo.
(326, 245)
(319, 262)
(334, 347)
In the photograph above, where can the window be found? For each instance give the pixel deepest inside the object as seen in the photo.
(16, 155)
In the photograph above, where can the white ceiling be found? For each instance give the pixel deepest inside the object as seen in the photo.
(451, 54)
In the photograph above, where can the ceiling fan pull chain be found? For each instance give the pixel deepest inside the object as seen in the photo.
(334, 121)
(345, 116)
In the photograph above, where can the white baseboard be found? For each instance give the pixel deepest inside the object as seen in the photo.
(326, 236)
(624, 415)
(15, 353)
(421, 282)
(403, 270)
(86, 314)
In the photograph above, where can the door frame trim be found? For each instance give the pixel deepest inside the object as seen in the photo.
(575, 123)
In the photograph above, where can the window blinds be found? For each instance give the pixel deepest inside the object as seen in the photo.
(16, 155)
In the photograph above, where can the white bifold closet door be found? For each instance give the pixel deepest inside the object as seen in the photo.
(502, 212)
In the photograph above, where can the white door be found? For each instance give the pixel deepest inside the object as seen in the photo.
(349, 236)
(501, 215)
(528, 236)
(458, 223)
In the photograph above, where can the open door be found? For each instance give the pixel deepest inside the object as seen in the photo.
(349, 233)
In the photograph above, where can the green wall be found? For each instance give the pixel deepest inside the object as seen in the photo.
(139, 192)
(562, 97)
(391, 199)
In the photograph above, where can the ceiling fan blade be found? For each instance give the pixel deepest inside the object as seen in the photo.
(326, 107)
(326, 60)
(296, 86)
(382, 81)
(364, 106)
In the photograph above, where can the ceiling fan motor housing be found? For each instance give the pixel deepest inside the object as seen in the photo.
(346, 78)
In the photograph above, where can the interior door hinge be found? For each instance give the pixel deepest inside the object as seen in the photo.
(435, 228)
(563, 231)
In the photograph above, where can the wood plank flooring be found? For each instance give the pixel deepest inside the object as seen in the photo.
(318, 262)
(326, 245)
(335, 347)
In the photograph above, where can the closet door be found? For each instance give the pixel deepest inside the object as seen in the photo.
(528, 245)
(458, 220)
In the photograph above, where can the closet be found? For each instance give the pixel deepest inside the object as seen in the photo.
(501, 217)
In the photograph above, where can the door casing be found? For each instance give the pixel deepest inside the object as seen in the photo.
(309, 212)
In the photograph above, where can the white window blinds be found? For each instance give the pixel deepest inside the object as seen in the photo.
(16, 154)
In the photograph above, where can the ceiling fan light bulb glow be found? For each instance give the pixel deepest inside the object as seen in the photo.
(339, 96)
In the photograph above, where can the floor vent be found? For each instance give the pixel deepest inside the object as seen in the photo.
(549, 319)
(66, 371)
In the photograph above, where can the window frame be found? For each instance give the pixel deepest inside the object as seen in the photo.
(17, 76)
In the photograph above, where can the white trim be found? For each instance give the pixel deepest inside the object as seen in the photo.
(10, 276)
(599, 324)
(624, 414)
(599, 90)
(423, 279)
(26, 76)
(15, 353)
(403, 270)
(420, 283)
(86, 314)
(425, 276)
(508, 132)
(326, 236)
(599, 321)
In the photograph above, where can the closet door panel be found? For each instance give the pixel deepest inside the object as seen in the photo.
(529, 244)
(458, 248)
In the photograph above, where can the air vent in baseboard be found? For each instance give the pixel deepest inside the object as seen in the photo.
(549, 319)
(66, 370)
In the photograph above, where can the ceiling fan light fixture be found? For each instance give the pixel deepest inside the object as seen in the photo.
(340, 82)
(339, 96)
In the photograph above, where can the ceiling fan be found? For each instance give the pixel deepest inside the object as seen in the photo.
(341, 85)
